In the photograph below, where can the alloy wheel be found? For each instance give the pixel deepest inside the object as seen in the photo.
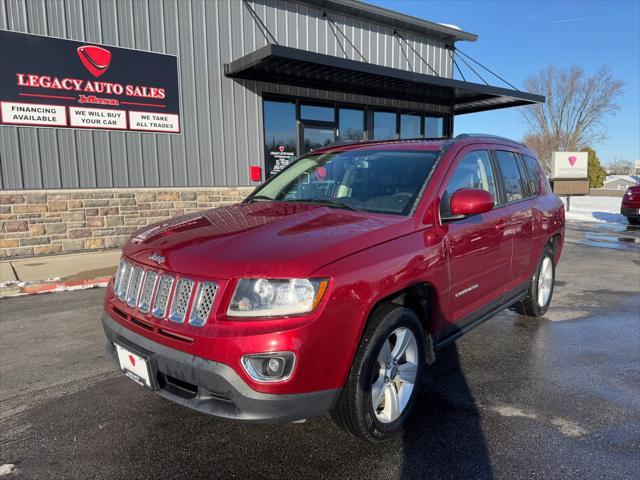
(394, 375)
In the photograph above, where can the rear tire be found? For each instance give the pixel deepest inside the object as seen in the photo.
(540, 292)
(633, 220)
(386, 372)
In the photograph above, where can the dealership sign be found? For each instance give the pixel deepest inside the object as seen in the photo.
(51, 82)
(569, 165)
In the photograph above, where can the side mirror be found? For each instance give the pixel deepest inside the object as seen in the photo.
(470, 201)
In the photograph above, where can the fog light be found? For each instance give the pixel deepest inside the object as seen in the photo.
(269, 367)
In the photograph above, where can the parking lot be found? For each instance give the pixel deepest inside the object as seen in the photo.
(515, 398)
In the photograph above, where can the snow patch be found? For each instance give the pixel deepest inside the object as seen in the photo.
(7, 468)
(568, 428)
(508, 411)
(595, 209)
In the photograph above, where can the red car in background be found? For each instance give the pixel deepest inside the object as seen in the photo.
(331, 287)
(630, 207)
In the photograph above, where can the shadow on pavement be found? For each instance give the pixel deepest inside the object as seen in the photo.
(444, 438)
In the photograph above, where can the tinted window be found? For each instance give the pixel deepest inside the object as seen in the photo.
(511, 179)
(351, 124)
(384, 181)
(279, 135)
(473, 171)
(535, 172)
(433, 127)
(315, 112)
(384, 125)
(409, 126)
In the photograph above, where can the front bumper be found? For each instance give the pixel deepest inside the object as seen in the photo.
(630, 212)
(212, 387)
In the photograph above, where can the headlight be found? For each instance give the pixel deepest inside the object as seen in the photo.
(260, 297)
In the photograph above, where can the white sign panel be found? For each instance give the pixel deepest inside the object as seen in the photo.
(97, 118)
(569, 164)
(154, 122)
(33, 114)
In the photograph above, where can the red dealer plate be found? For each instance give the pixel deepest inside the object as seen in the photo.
(134, 366)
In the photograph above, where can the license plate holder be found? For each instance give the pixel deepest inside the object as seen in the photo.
(134, 366)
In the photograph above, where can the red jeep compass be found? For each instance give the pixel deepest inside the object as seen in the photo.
(334, 284)
(630, 206)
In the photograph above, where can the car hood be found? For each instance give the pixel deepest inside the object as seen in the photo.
(274, 239)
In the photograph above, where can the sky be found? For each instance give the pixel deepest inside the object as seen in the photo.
(516, 39)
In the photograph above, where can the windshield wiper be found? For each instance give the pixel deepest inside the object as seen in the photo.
(326, 202)
(261, 197)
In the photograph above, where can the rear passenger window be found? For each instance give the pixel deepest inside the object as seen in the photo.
(511, 178)
(534, 171)
(473, 171)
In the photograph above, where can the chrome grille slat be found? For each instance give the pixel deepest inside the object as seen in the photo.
(148, 287)
(202, 303)
(124, 281)
(162, 296)
(180, 301)
(118, 277)
(134, 286)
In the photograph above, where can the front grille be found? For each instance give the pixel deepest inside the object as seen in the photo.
(162, 297)
(149, 285)
(123, 284)
(180, 301)
(150, 291)
(134, 286)
(205, 295)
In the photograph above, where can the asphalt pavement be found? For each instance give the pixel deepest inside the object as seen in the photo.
(556, 397)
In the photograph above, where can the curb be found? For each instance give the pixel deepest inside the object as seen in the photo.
(56, 286)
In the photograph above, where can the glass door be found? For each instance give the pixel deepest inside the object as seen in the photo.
(314, 136)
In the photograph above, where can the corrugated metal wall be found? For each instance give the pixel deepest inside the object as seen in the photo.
(221, 118)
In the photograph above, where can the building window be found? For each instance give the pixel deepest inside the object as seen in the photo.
(409, 126)
(351, 124)
(433, 127)
(384, 125)
(279, 135)
(317, 113)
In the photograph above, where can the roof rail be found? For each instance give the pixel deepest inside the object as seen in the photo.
(486, 135)
(388, 140)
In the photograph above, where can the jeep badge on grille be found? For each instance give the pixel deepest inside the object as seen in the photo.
(154, 257)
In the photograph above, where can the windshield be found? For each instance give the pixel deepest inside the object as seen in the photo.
(377, 181)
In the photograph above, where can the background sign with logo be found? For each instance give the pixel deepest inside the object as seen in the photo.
(51, 82)
(569, 165)
(278, 157)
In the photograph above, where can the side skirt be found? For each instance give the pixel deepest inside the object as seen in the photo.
(456, 330)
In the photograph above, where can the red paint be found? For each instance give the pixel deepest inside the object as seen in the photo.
(366, 256)
(255, 173)
(469, 201)
(132, 360)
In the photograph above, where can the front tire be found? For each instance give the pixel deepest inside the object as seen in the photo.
(538, 298)
(633, 220)
(384, 379)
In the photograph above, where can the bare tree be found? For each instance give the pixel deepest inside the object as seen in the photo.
(575, 109)
(619, 166)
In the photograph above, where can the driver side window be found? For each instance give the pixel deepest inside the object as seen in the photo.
(473, 171)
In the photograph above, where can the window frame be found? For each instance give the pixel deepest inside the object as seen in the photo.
(529, 177)
(451, 172)
(519, 166)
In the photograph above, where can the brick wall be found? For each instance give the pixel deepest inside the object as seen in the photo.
(38, 222)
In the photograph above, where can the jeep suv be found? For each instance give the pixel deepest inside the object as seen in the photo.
(333, 286)
(630, 206)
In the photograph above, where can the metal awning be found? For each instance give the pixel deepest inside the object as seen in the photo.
(301, 68)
